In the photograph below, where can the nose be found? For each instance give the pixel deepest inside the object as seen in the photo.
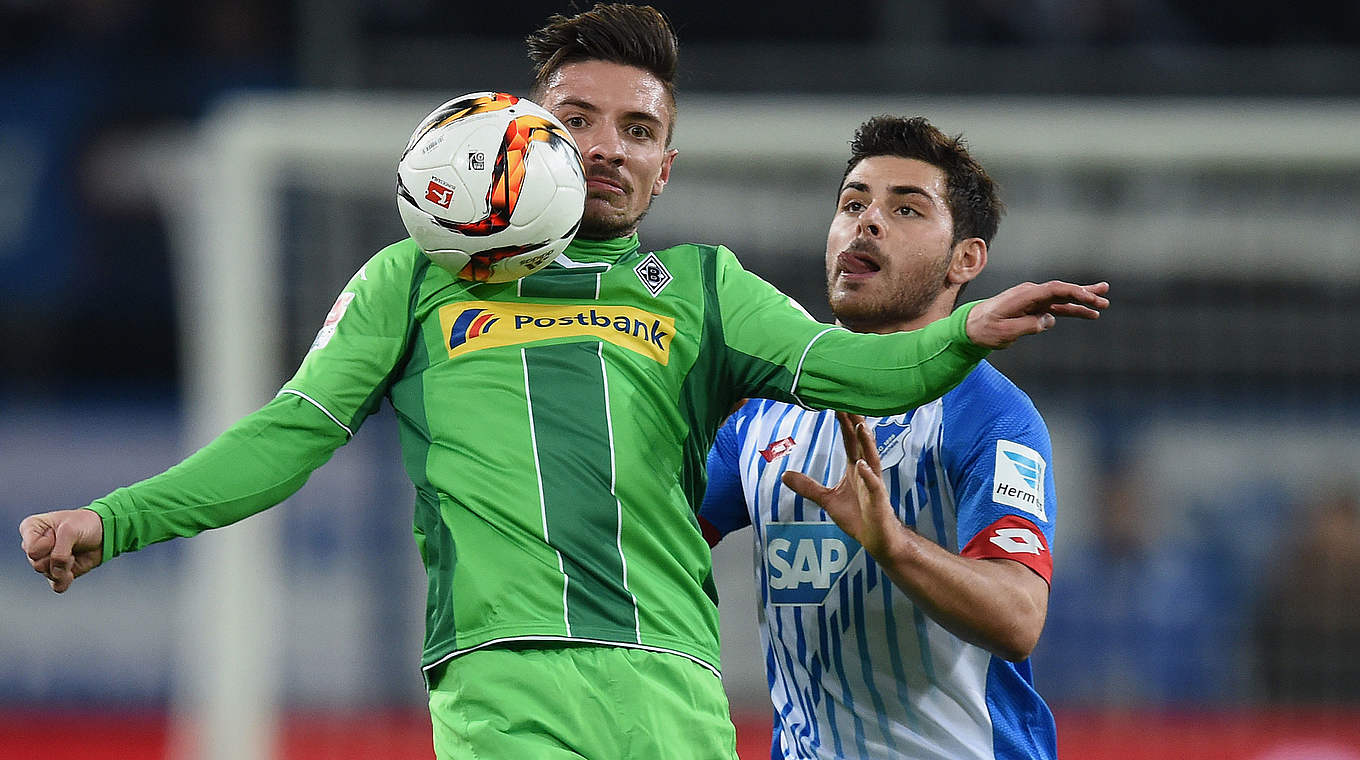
(603, 145)
(871, 221)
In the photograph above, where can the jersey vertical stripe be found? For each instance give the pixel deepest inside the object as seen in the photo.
(791, 423)
(613, 488)
(584, 284)
(582, 511)
(542, 505)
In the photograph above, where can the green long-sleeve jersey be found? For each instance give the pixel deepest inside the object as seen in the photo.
(555, 429)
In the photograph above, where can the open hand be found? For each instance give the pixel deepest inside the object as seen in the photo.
(859, 502)
(1028, 309)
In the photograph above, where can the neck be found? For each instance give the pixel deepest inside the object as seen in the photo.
(940, 308)
(601, 250)
(934, 313)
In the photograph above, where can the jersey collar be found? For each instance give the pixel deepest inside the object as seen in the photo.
(598, 251)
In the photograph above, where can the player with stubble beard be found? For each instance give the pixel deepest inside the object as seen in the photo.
(904, 559)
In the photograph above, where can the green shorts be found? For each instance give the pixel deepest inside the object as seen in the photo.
(579, 701)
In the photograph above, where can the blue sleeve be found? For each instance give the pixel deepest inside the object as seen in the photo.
(724, 505)
(998, 455)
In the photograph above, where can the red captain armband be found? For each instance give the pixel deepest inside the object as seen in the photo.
(1013, 538)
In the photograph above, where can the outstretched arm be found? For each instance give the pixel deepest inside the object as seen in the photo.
(1029, 309)
(889, 374)
(265, 456)
(996, 604)
(258, 462)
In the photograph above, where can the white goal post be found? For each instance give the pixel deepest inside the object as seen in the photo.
(226, 216)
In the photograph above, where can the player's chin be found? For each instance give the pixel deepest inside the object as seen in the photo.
(605, 226)
(616, 201)
(845, 293)
(604, 210)
(849, 309)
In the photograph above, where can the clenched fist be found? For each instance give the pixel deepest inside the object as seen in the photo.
(63, 545)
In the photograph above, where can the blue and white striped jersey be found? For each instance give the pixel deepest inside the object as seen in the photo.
(855, 669)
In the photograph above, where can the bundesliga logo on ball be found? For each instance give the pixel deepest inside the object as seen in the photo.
(491, 187)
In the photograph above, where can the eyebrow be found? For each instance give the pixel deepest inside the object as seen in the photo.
(893, 189)
(577, 102)
(586, 105)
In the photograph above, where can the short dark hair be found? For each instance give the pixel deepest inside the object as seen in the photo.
(631, 35)
(970, 193)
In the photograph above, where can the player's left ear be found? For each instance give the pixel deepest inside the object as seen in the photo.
(665, 175)
(970, 256)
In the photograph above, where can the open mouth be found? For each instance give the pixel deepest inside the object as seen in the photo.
(854, 263)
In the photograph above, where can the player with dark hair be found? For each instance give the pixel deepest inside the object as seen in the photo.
(584, 67)
(571, 608)
(898, 617)
(629, 35)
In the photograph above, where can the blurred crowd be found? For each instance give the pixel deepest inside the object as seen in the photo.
(1258, 602)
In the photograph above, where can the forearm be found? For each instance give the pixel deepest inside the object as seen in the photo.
(888, 374)
(997, 604)
(258, 462)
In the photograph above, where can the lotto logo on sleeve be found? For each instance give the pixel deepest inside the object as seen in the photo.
(805, 560)
(1014, 538)
(1018, 479)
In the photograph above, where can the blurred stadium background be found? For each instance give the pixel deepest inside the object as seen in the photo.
(1202, 156)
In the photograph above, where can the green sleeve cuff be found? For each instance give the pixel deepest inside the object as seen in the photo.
(105, 517)
(958, 323)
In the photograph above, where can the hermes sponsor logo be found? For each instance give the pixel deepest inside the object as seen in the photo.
(1018, 479)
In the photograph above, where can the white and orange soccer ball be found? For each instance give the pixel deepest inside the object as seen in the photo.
(491, 187)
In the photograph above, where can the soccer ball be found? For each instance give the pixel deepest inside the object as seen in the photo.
(491, 187)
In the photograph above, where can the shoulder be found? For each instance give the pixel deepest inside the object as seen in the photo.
(385, 280)
(708, 254)
(760, 414)
(693, 249)
(401, 253)
(737, 423)
(398, 261)
(988, 392)
(712, 268)
(690, 257)
(986, 404)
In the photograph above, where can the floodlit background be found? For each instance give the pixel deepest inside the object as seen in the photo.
(1206, 601)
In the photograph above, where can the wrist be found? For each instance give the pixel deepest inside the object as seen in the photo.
(104, 520)
(897, 546)
(962, 318)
